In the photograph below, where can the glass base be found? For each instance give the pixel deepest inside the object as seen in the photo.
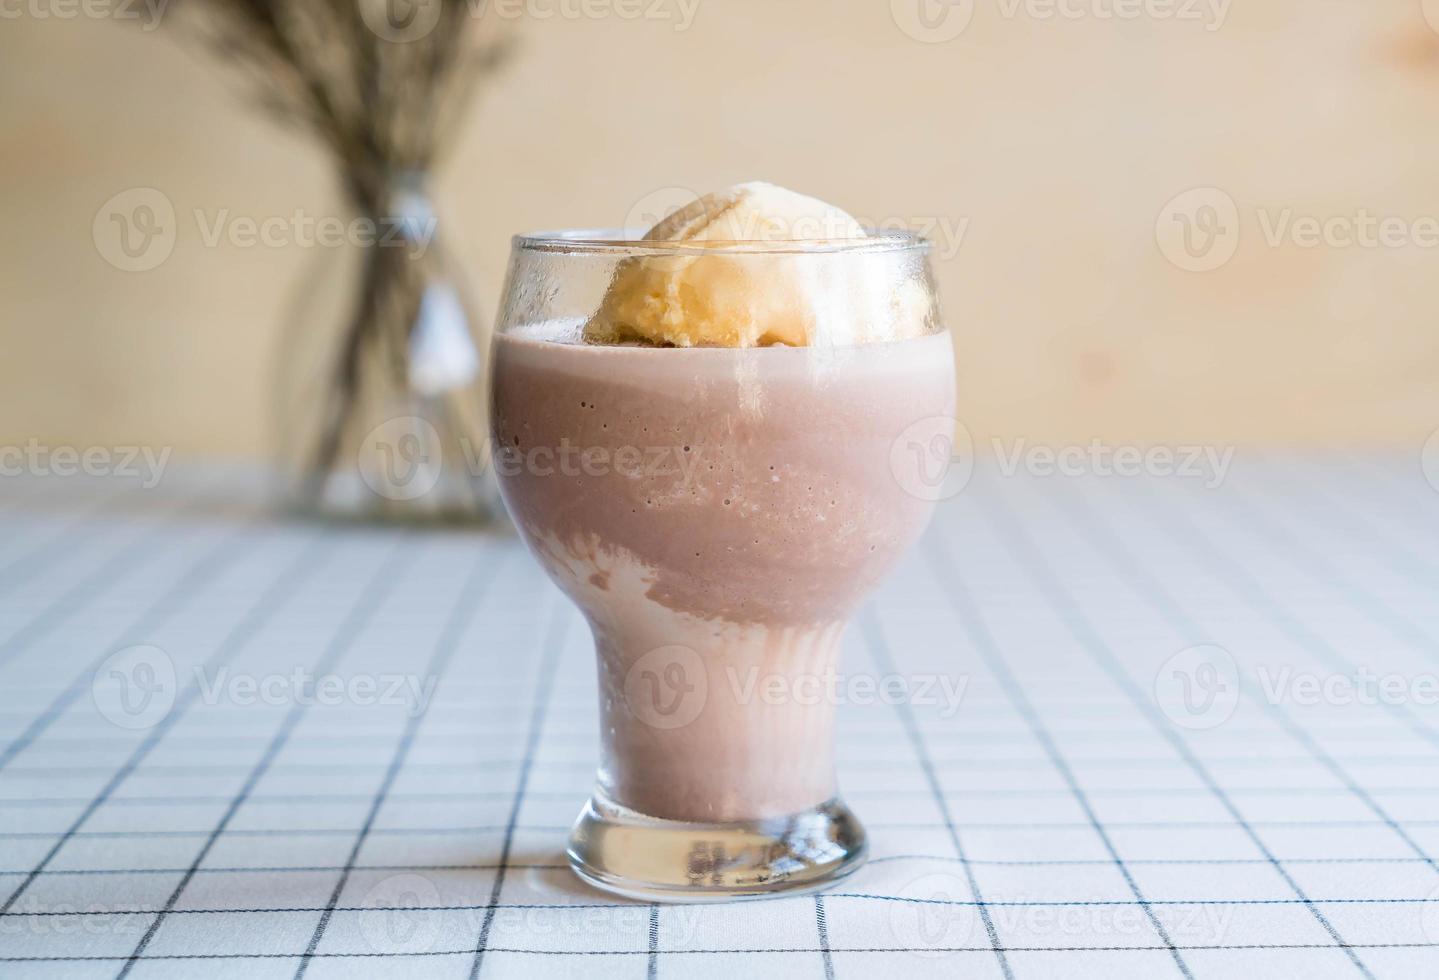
(628, 853)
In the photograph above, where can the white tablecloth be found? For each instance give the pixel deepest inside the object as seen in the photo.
(1137, 782)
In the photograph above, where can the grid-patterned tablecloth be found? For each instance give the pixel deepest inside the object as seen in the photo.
(1139, 780)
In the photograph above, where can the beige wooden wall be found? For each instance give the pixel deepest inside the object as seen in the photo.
(1054, 143)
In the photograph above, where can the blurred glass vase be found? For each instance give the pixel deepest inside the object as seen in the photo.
(380, 409)
(380, 387)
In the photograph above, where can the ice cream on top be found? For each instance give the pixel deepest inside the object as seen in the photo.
(705, 296)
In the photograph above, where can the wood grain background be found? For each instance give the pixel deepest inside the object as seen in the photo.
(1054, 142)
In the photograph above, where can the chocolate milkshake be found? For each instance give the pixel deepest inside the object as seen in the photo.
(718, 508)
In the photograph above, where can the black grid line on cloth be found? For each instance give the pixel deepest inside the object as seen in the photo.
(1363, 528)
(1408, 478)
(983, 641)
(352, 625)
(482, 572)
(860, 896)
(886, 825)
(544, 683)
(652, 965)
(1006, 765)
(1267, 605)
(822, 929)
(879, 652)
(1108, 543)
(184, 769)
(1032, 559)
(1240, 511)
(1370, 473)
(460, 796)
(364, 607)
(51, 547)
(1237, 579)
(166, 605)
(46, 772)
(978, 862)
(1314, 566)
(138, 549)
(1318, 569)
(281, 589)
(585, 953)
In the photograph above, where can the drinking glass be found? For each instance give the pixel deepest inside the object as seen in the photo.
(717, 514)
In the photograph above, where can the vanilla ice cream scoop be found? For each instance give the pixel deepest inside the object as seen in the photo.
(712, 295)
(756, 212)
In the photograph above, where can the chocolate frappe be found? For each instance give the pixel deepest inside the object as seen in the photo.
(736, 503)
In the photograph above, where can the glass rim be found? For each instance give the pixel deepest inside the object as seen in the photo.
(617, 241)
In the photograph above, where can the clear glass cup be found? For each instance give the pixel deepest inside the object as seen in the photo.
(718, 514)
